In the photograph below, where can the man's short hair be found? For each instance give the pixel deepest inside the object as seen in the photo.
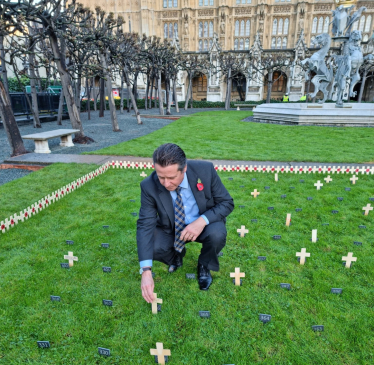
(170, 154)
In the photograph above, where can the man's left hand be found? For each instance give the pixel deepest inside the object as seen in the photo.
(193, 230)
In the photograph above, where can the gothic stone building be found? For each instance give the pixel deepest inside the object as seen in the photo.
(282, 25)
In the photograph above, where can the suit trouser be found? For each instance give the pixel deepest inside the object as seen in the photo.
(213, 239)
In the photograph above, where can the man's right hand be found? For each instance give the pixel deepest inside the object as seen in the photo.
(147, 286)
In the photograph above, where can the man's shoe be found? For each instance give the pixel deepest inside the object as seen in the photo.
(204, 276)
(178, 261)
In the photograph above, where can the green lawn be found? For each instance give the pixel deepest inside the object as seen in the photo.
(222, 135)
(32, 252)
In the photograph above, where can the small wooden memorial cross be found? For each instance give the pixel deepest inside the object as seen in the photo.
(155, 302)
(288, 219)
(255, 193)
(354, 178)
(242, 231)
(348, 259)
(318, 185)
(143, 174)
(276, 177)
(237, 275)
(328, 179)
(160, 352)
(367, 209)
(71, 258)
(314, 235)
(303, 254)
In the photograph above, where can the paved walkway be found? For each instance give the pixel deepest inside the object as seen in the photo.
(47, 159)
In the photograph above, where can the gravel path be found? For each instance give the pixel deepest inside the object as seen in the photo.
(99, 129)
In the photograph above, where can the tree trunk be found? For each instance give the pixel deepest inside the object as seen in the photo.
(88, 100)
(112, 105)
(175, 95)
(79, 89)
(270, 85)
(60, 108)
(160, 99)
(362, 86)
(188, 92)
(66, 86)
(150, 99)
(146, 93)
(34, 95)
(94, 93)
(10, 124)
(102, 97)
(137, 114)
(121, 95)
(4, 74)
(228, 93)
(168, 101)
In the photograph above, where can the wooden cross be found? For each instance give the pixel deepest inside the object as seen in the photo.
(314, 235)
(143, 174)
(328, 179)
(348, 259)
(155, 302)
(288, 219)
(242, 231)
(276, 177)
(160, 352)
(318, 185)
(354, 178)
(367, 209)
(220, 168)
(117, 164)
(255, 193)
(132, 165)
(71, 258)
(303, 254)
(237, 275)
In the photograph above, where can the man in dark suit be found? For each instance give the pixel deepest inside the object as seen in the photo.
(181, 201)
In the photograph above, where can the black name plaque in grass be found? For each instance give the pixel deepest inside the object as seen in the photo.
(103, 351)
(69, 242)
(336, 290)
(285, 286)
(204, 314)
(261, 258)
(55, 298)
(105, 245)
(318, 328)
(264, 318)
(107, 302)
(107, 269)
(277, 237)
(190, 276)
(43, 344)
(64, 265)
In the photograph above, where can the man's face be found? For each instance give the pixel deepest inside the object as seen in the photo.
(169, 176)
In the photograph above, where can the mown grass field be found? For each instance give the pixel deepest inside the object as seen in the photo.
(223, 135)
(30, 272)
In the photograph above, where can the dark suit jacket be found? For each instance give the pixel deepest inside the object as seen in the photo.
(214, 201)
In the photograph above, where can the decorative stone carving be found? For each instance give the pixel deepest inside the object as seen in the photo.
(282, 9)
(241, 11)
(322, 7)
(169, 14)
(222, 25)
(206, 12)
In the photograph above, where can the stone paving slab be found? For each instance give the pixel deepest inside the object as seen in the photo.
(47, 159)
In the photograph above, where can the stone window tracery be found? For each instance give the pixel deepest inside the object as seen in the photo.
(242, 30)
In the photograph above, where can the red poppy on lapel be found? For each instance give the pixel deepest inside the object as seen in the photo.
(199, 185)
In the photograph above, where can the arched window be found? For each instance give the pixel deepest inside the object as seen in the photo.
(171, 30)
(247, 43)
(243, 1)
(280, 26)
(170, 3)
(362, 23)
(200, 45)
(275, 24)
(200, 2)
(236, 44)
(205, 45)
(249, 1)
(241, 44)
(205, 2)
(211, 2)
(165, 3)
(176, 30)
(165, 30)
(286, 24)
(237, 2)
(368, 24)
(210, 29)
(273, 43)
(320, 25)
(366, 37)
(175, 3)
(237, 28)
(248, 28)
(205, 29)
(200, 29)
(279, 43)
(284, 44)
(326, 25)
(314, 26)
(242, 25)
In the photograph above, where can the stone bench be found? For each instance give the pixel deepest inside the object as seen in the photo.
(252, 106)
(41, 139)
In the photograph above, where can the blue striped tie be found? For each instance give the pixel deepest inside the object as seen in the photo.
(179, 221)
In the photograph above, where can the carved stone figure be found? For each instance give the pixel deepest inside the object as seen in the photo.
(316, 63)
(354, 18)
(222, 25)
(348, 66)
(186, 24)
(340, 20)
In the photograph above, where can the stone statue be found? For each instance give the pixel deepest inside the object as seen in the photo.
(348, 66)
(316, 63)
(340, 20)
(186, 24)
(223, 23)
(354, 18)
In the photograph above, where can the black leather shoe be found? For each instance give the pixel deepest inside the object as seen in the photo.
(204, 276)
(178, 261)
